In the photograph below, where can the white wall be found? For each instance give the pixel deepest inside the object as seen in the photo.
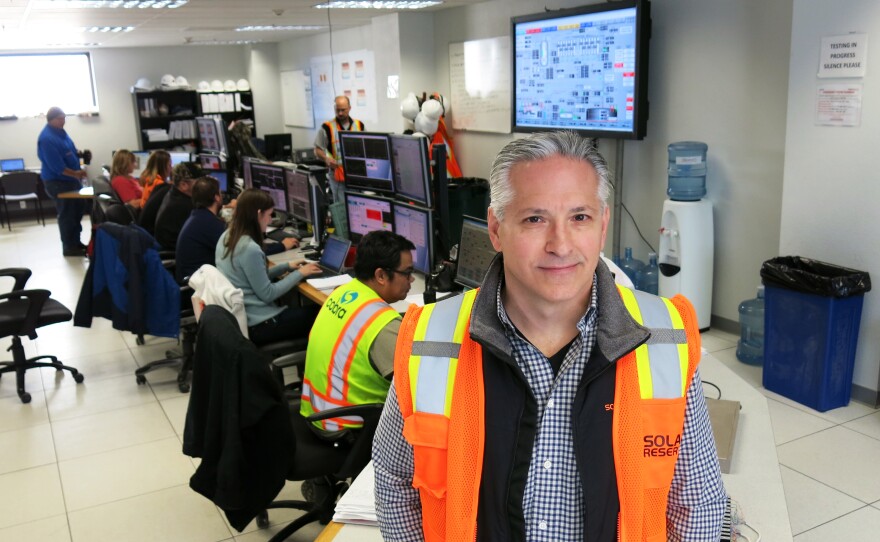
(265, 80)
(116, 70)
(831, 189)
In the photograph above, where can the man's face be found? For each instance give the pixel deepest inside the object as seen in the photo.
(342, 109)
(552, 232)
(397, 283)
(58, 122)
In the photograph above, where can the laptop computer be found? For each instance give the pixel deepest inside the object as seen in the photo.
(8, 165)
(333, 257)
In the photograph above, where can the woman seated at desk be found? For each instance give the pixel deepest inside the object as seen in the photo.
(156, 172)
(126, 187)
(240, 258)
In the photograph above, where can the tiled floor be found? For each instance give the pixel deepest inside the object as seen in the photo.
(101, 461)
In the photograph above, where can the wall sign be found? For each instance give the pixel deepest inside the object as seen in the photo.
(844, 56)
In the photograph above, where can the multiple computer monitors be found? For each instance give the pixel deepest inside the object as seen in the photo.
(11, 164)
(298, 197)
(475, 252)
(370, 213)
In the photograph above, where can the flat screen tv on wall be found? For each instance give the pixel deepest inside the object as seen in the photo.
(583, 69)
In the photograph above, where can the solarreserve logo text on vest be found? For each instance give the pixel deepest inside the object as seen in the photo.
(661, 445)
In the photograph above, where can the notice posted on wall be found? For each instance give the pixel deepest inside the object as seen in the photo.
(839, 105)
(843, 56)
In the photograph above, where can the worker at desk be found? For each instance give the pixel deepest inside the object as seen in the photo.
(550, 404)
(351, 347)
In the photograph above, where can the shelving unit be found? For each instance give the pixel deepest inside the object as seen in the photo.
(158, 109)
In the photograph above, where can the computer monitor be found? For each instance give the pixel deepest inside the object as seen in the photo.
(278, 146)
(212, 135)
(179, 157)
(11, 164)
(411, 169)
(475, 252)
(221, 175)
(246, 163)
(366, 158)
(210, 161)
(142, 158)
(366, 214)
(415, 224)
(270, 178)
(298, 203)
(317, 205)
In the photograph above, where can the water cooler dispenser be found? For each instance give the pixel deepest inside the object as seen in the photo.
(687, 241)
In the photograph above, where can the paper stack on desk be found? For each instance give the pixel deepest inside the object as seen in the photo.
(358, 505)
(328, 283)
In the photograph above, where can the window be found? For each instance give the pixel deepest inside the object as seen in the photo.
(36, 82)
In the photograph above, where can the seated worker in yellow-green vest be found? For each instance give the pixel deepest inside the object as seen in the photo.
(350, 359)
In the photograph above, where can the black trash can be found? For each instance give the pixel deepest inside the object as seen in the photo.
(811, 329)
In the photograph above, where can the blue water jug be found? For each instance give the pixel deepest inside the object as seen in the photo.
(750, 347)
(649, 276)
(631, 266)
(687, 171)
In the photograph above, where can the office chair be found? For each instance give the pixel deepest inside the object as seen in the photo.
(21, 313)
(250, 447)
(128, 284)
(101, 185)
(21, 186)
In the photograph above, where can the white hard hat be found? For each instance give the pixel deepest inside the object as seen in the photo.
(181, 82)
(432, 109)
(168, 81)
(204, 86)
(409, 106)
(143, 84)
(217, 85)
(229, 85)
(426, 125)
(243, 85)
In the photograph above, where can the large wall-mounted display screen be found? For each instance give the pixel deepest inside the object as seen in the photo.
(583, 69)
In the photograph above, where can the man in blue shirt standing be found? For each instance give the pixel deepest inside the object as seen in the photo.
(61, 173)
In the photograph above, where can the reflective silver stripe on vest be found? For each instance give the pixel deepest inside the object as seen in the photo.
(663, 354)
(347, 345)
(319, 404)
(434, 369)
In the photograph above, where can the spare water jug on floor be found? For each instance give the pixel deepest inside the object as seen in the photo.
(750, 347)
(631, 266)
(649, 276)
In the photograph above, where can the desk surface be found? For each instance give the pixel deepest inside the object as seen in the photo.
(86, 192)
(754, 480)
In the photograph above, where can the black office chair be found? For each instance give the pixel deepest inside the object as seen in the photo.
(273, 442)
(21, 313)
(21, 186)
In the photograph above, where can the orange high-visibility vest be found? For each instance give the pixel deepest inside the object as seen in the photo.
(439, 384)
(335, 152)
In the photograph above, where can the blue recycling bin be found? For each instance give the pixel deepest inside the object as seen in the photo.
(811, 329)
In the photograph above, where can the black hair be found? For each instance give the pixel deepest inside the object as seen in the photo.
(205, 189)
(379, 249)
(185, 171)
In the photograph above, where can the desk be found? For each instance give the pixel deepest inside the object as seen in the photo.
(320, 296)
(86, 192)
(754, 481)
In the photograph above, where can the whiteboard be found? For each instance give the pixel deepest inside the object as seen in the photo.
(479, 81)
(296, 98)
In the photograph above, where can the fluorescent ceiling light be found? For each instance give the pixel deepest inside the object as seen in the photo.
(378, 4)
(73, 44)
(272, 27)
(107, 29)
(171, 4)
(222, 42)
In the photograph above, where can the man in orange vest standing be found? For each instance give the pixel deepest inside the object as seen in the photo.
(327, 147)
(550, 404)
